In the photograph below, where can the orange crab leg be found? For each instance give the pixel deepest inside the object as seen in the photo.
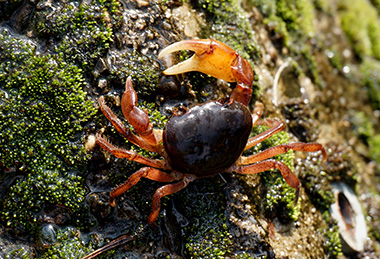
(145, 172)
(269, 164)
(128, 154)
(166, 190)
(215, 59)
(257, 113)
(156, 175)
(124, 131)
(276, 127)
(137, 117)
(282, 149)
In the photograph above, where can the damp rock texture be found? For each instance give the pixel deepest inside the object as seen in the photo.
(316, 65)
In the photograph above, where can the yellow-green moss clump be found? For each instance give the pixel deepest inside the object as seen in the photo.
(29, 195)
(370, 71)
(66, 243)
(360, 22)
(43, 109)
(290, 20)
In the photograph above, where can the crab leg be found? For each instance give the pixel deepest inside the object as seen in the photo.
(145, 172)
(156, 175)
(167, 190)
(137, 117)
(269, 164)
(257, 113)
(128, 154)
(124, 131)
(282, 149)
(276, 127)
(215, 59)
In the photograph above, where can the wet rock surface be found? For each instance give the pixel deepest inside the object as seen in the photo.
(310, 72)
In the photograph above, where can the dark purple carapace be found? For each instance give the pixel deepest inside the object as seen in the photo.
(208, 138)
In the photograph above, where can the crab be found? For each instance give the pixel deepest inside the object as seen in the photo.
(205, 139)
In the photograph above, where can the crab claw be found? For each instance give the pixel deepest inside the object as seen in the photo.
(215, 59)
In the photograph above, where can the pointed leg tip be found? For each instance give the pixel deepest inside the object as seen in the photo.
(324, 154)
(101, 100)
(128, 83)
(152, 221)
(188, 65)
(112, 202)
(98, 134)
(297, 196)
(170, 49)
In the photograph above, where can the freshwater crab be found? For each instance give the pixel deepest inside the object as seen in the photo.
(203, 140)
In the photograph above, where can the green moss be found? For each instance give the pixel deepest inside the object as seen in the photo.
(297, 14)
(279, 196)
(361, 125)
(317, 187)
(370, 71)
(360, 22)
(374, 149)
(332, 244)
(143, 69)
(29, 195)
(18, 251)
(44, 108)
(290, 20)
(336, 58)
(82, 32)
(206, 234)
(67, 244)
(316, 183)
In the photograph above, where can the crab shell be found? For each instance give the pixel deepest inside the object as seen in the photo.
(208, 138)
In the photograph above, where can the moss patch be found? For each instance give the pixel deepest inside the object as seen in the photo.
(289, 20)
(66, 243)
(206, 234)
(360, 22)
(370, 70)
(44, 108)
(29, 196)
(82, 32)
